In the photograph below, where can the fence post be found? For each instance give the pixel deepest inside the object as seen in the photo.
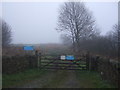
(96, 62)
(37, 56)
(87, 60)
(40, 60)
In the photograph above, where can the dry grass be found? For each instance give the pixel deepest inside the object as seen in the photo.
(12, 51)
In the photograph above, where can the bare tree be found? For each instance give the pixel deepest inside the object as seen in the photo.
(6, 34)
(114, 39)
(0, 33)
(76, 21)
(118, 40)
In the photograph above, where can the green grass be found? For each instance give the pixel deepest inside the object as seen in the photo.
(21, 78)
(92, 80)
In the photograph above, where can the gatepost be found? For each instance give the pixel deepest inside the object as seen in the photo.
(87, 60)
(38, 55)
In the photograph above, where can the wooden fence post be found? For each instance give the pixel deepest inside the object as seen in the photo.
(37, 56)
(87, 60)
(96, 62)
(40, 60)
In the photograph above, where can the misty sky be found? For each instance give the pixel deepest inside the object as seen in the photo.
(36, 22)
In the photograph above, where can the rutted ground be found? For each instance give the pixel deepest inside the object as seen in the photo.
(66, 79)
(70, 81)
(55, 79)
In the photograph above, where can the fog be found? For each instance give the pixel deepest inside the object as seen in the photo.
(35, 22)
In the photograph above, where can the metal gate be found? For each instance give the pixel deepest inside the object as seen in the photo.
(54, 62)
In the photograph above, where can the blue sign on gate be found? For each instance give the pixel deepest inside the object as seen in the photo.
(70, 57)
(28, 48)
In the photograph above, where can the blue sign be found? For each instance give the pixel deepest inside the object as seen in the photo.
(69, 57)
(28, 48)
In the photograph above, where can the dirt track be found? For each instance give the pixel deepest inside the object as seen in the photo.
(55, 79)
(71, 81)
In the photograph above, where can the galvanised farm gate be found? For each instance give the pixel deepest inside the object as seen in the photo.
(55, 62)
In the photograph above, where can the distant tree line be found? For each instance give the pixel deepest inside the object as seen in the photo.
(81, 33)
(107, 45)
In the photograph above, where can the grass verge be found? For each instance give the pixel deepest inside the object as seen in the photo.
(91, 80)
(21, 78)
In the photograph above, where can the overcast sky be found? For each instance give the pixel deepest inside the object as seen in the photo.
(35, 23)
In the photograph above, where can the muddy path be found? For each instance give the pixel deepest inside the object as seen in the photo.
(54, 79)
(70, 81)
